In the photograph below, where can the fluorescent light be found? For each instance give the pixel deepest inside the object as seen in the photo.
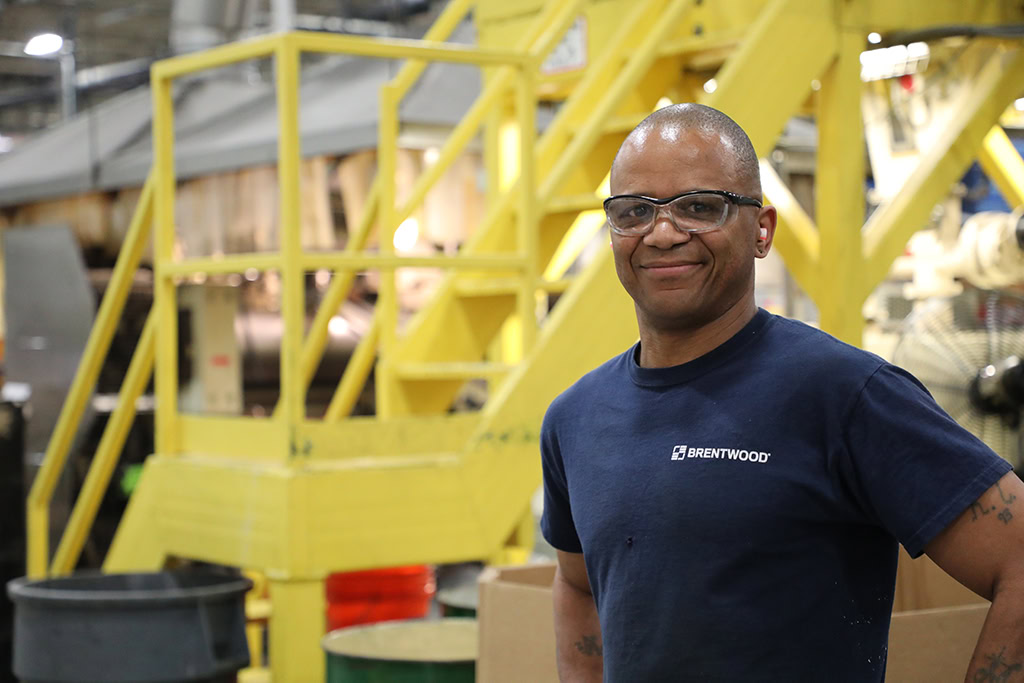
(710, 86)
(338, 326)
(894, 61)
(1018, 104)
(663, 102)
(874, 38)
(431, 155)
(6, 144)
(44, 44)
(407, 234)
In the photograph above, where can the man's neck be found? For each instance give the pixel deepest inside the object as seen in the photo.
(661, 348)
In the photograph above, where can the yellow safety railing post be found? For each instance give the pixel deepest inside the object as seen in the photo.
(165, 294)
(140, 369)
(286, 64)
(387, 301)
(526, 112)
(356, 372)
(38, 503)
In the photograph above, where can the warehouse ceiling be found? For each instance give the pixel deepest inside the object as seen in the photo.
(115, 40)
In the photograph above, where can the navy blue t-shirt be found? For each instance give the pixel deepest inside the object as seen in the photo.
(739, 514)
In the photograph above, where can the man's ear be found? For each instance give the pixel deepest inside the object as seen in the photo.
(767, 220)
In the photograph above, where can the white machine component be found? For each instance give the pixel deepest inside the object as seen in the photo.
(989, 254)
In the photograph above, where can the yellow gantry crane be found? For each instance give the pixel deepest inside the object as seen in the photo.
(298, 498)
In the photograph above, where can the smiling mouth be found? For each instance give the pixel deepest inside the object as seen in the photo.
(671, 268)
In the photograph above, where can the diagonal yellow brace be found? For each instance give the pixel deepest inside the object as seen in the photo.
(797, 237)
(889, 228)
(140, 369)
(794, 41)
(38, 506)
(1003, 164)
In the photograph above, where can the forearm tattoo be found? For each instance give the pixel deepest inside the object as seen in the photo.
(979, 509)
(998, 670)
(588, 645)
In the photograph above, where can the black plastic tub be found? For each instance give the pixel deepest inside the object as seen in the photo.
(157, 627)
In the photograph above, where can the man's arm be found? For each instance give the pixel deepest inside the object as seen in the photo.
(984, 550)
(577, 629)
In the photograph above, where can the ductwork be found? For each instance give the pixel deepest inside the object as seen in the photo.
(201, 24)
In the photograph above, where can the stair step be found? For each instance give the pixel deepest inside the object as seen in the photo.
(573, 203)
(499, 286)
(492, 286)
(623, 123)
(451, 370)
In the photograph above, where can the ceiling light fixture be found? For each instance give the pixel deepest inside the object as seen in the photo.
(44, 44)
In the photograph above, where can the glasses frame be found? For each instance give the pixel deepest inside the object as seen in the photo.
(731, 197)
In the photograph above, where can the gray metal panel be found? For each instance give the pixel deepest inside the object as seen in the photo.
(65, 159)
(48, 308)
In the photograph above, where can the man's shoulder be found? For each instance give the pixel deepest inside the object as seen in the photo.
(597, 382)
(814, 351)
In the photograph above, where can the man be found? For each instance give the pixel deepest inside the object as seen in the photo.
(726, 497)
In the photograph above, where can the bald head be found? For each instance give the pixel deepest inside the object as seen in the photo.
(668, 124)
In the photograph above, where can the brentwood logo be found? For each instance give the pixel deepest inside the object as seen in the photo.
(685, 452)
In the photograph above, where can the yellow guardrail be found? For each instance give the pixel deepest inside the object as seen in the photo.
(514, 78)
(38, 503)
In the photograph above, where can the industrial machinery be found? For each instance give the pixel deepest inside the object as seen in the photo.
(968, 351)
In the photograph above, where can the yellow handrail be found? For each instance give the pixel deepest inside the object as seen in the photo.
(356, 372)
(552, 23)
(38, 504)
(140, 369)
(316, 339)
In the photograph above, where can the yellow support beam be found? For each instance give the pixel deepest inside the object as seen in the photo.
(796, 238)
(96, 347)
(639, 62)
(223, 55)
(356, 372)
(401, 48)
(1003, 164)
(140, 369)
(795, 41)
(293, 300)
(890, 226)
(165, 295)
(387, 300)
(297, 623)
(527, 226)
(839, 193)
(222, 265)
(449, 19)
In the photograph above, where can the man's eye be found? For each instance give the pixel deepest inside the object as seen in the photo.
(638, 211)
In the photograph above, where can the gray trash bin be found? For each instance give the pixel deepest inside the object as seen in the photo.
(186, 625)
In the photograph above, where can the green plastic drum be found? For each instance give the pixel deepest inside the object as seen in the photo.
(460, 601)
(441, 651)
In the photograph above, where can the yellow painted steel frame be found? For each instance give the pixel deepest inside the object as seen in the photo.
(38, 504)
(195, 447)
(298, 498)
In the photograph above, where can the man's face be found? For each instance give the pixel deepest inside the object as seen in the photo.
(681, 279)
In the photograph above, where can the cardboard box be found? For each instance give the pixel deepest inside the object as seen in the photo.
(517, 630)
(517, 637)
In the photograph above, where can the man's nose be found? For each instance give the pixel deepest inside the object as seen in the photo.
(664, 234)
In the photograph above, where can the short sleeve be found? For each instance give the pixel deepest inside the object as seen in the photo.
(556, 522)
(909, 464)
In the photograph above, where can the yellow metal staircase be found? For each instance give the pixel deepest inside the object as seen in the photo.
(298, 498)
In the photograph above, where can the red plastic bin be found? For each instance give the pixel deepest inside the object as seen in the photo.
(374, 595)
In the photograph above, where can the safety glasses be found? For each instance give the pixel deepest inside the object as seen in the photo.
(634, 215)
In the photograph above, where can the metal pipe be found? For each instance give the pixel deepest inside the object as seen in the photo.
(284, 15)
(68, 99)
